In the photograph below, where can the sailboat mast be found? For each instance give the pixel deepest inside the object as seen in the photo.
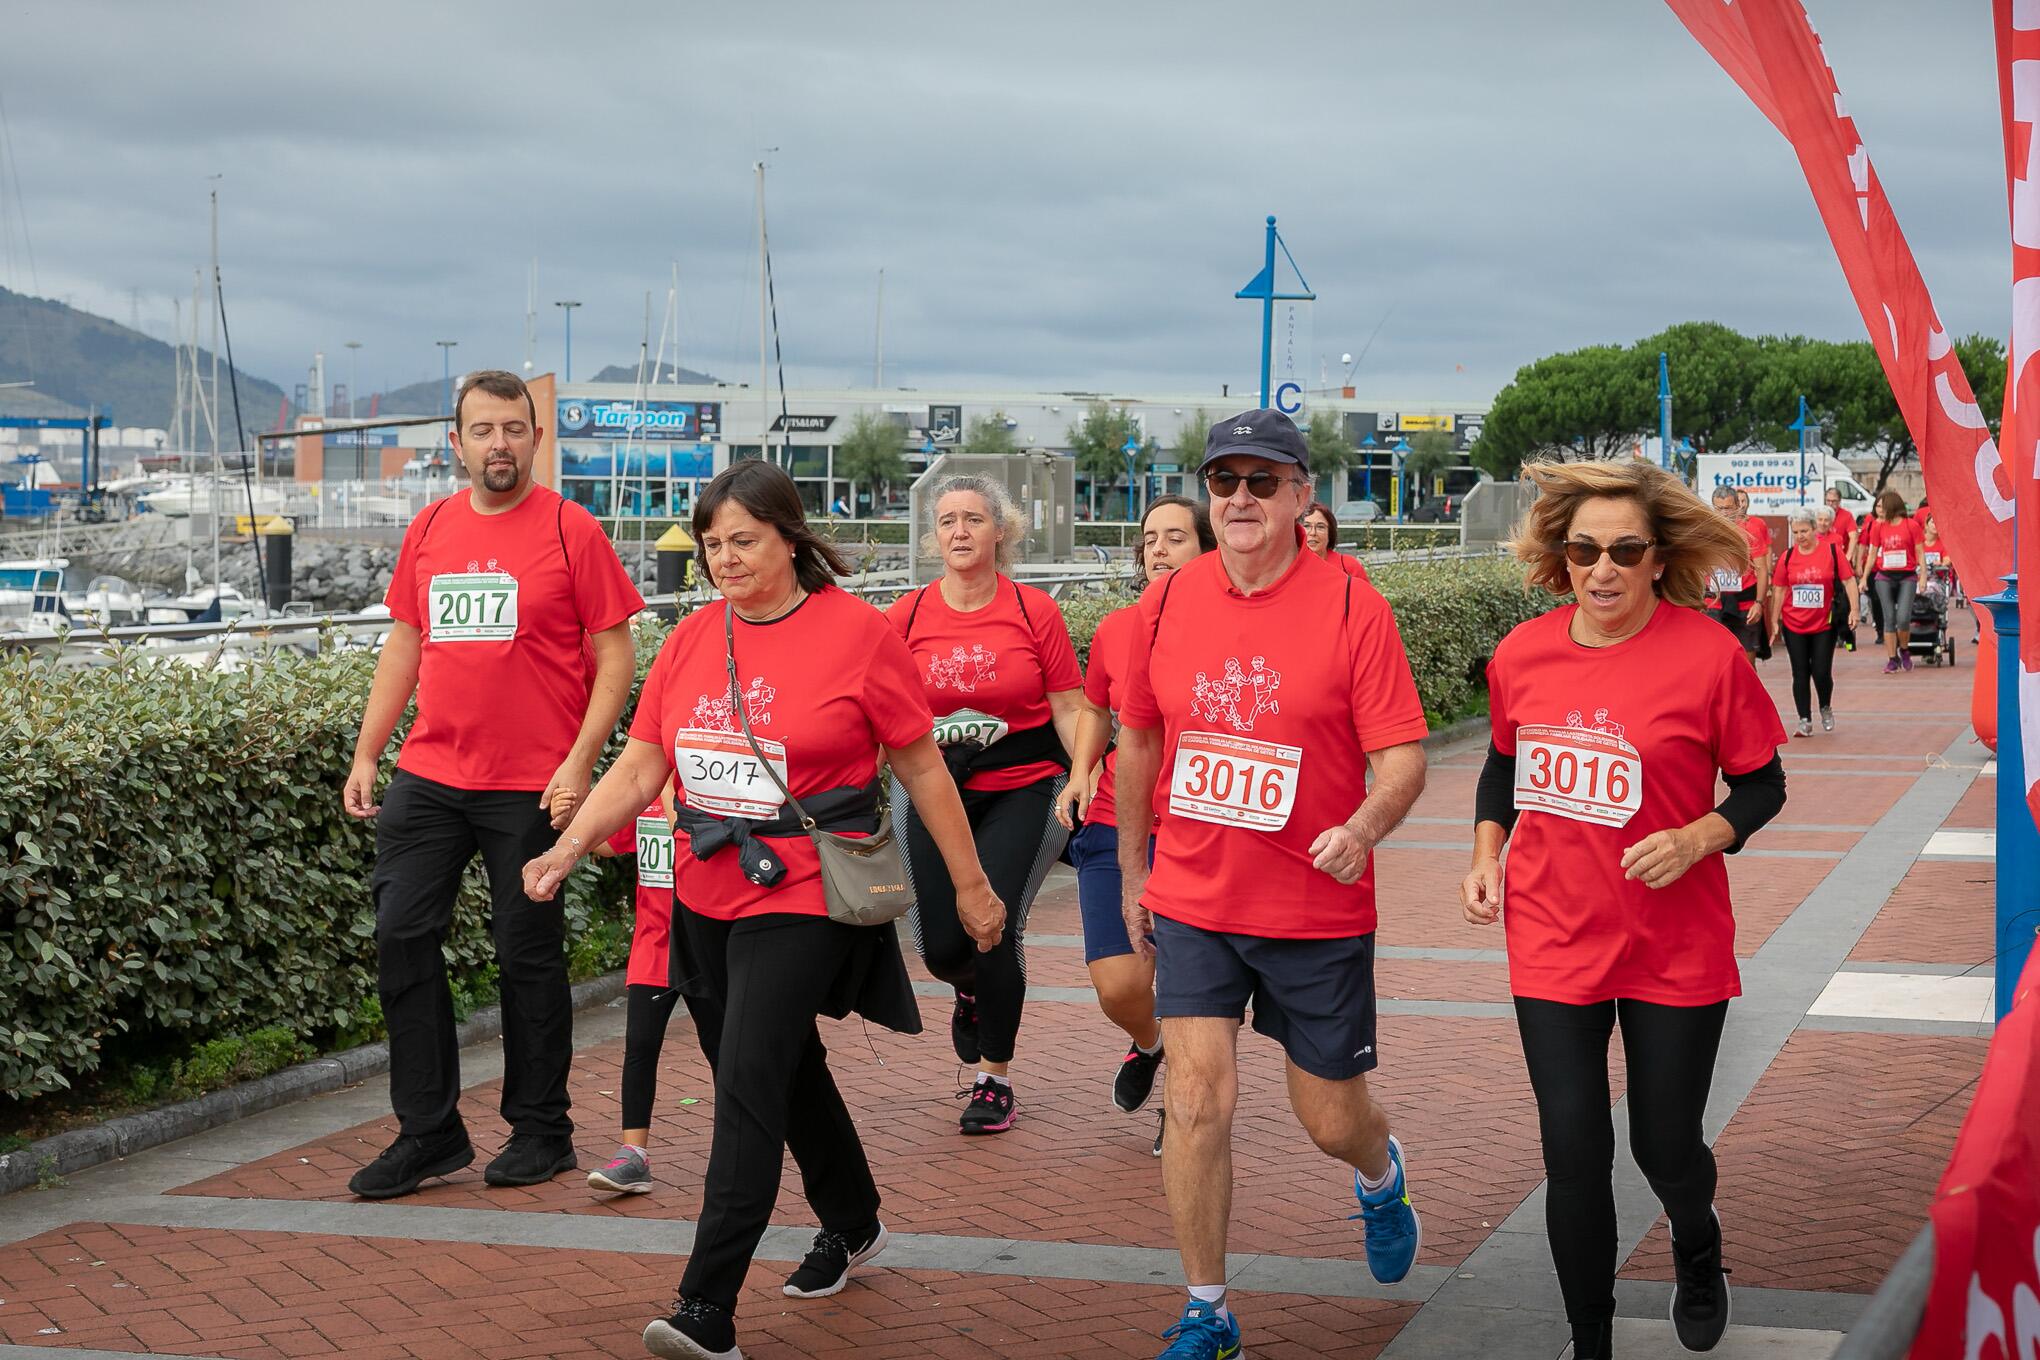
(764, 393)
(213, 491)
(878, 347)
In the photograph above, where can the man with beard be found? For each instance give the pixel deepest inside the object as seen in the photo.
(510, 621)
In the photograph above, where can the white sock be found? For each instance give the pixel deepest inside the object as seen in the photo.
(1003, 1081)
(633, 1147)
(1369, 1184)
(1214, 1294)
(1147, 1052)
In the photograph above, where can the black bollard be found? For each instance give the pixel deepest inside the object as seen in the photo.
(278, 545)
(676, 552)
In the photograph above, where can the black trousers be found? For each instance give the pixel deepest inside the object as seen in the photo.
(765, 974)
(1813, 667)
(1018, 841)
(1670, 1052)
(425, 836)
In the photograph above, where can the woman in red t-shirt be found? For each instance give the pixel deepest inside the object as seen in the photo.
(792, 672)
(1173, 531)
(1890, 546)
(996, 664)
(1321, 536)
(1612, 717)
(1807, 578)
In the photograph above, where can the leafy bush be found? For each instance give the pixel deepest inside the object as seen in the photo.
(175, 865)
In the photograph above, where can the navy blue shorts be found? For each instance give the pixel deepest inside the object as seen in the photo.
(1313, 997)
(1094, 852)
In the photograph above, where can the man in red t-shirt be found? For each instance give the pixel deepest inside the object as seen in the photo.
(1263, 684)
(510, 620)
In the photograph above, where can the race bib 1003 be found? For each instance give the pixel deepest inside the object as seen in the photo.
(654, 853)
(967, 725)
(1578, 772)
(1234, 781)
(1893, 559)
(721, 775)
(476, 606)
(1725, 582)
(1810, 597)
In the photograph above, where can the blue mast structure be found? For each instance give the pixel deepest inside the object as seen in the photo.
(1262, 290)
(1664, 396)
(1801, 425)
(2018, 840)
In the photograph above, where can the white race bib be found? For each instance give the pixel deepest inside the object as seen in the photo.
(722, 777)
(967, 724)
(1726, 582)
(1893, 559)
(1579, 773)
(476, 606)
(1810, 597)
(1234, 781)
(1932, 557)
(654, 853)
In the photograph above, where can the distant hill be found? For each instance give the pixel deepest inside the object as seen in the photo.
(88, 361)
(627, 373)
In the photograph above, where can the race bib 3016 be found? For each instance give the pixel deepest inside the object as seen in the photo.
(1578, 773)
(1234, 781)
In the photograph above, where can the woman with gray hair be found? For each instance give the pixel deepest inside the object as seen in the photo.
(1810, 580)
(1001, 676)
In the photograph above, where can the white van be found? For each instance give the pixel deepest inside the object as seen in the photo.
(1774, 481)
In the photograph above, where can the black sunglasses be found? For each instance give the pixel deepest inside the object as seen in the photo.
(1261, 485)
(1627, 552)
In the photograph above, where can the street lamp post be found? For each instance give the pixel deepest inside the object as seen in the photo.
(1401, 450)
(1131, 449)
(446, 375)
(1368, 444)
(353, 373)
(567, 369)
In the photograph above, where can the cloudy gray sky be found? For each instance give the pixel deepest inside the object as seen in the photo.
(1062, 195)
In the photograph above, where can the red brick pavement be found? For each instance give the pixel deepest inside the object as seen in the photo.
(1828, 1167)
(1978, 808)
(262, 1295)
(1939, 913)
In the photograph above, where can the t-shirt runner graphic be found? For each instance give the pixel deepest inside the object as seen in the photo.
(1239, 697)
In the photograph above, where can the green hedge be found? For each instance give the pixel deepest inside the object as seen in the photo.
(175, 866)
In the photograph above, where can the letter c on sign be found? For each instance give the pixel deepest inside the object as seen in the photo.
(1289, 398)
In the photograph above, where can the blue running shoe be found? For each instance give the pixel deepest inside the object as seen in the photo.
(1393, 1232)
(1201, 1334)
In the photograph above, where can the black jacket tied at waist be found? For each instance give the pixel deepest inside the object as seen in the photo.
(845, 811)
(1025, 747)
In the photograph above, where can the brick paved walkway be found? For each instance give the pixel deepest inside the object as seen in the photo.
(1053, 1240)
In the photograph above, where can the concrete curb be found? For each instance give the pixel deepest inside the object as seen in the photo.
(1475, 726)
(76, 1150)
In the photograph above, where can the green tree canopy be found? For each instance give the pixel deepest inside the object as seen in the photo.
(1099, 443)
(1431, 452)
(870, 453)
(1188, 450)
(989, 436)
(1331, 452)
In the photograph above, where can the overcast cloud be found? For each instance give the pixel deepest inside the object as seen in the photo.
(1061, 195)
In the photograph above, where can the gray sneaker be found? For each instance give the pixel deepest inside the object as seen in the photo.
(1827, 720)
(1805, 728)
(627, 1173)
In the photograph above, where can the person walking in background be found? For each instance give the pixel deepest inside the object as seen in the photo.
(998, 669)
(1891, 561)
(1844, 520)
(1731, 592)
(510, 621)
(1174, 532)
(1616, 894)
(1811, 590)
(1264, 687)
(1321, 536)
(734, 688)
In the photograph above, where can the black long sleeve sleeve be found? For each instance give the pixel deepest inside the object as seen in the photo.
(1753, 800)
(1494, 797)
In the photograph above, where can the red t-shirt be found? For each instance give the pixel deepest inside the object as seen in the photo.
(990, 672)
(1352, 566)
(1759, 535)
(1893, 545)
(824, 688)
(1268, 705)
(1845, 524)
(1806, 582)
(1105, 686)
(649, 836)
(503, 605)
(1933, 554)
(1640, 730)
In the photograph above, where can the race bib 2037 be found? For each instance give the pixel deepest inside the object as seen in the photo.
(1234, 781)
(1579, 773)
(475, 606)
(722, 776)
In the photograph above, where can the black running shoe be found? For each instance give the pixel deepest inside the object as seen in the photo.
(1700, 1291)
(831, 1259)
(1135, 1083)
(409, 1160)
(990, 1109)
(529, 1158)
(698, 1330)
(1593, 1341)
(963, 1034)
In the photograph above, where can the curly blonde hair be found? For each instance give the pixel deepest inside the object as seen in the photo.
(1012, 527)
(1691, 538)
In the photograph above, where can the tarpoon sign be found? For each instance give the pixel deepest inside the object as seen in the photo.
(586, 418)
(1777, 483)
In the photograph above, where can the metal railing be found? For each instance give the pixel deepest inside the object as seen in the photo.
(1892, 1318)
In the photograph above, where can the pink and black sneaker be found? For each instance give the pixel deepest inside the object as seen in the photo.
(990, 1108)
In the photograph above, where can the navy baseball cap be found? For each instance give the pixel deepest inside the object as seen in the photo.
(1264, 434)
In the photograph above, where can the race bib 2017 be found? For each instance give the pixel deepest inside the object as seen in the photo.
(476, 606)
(654, 853)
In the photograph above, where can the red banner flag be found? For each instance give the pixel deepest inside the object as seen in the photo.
(1984, 1303)
(1772, 51)
(2018, 53)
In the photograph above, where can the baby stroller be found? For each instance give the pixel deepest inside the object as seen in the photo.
(1929, 636)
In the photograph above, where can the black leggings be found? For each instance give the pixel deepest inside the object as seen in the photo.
(765, 976)
(1018, 840)
(1813, 658)
(647, 1012)
(1670, 1055)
